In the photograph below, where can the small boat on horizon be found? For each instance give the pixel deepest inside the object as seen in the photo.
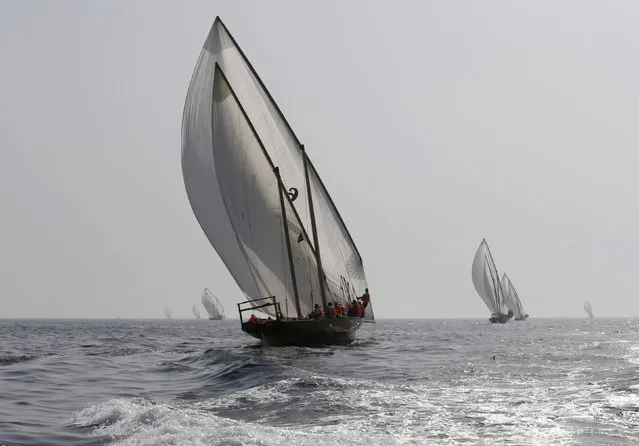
(196, 312)
(212, 306)
(263, 206)
(588, 309)
(487, 284)
(167, 313)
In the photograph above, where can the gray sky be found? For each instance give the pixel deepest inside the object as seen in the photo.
(433, 124)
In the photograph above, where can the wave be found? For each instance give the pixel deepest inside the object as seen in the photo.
(16, 359)
(143, 422)
(317, 410)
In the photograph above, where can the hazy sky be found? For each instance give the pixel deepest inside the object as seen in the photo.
(433, 124)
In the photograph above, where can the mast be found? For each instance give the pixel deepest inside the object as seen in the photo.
(218, 69)
(282, 190)
(288, 242)
(320, 270)
(492, 277)
(290, 129)
(501, 292)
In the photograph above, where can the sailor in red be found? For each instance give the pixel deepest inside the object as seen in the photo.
(317, 311)
(366, 298)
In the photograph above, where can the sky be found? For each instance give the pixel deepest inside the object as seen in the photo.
(432, 124)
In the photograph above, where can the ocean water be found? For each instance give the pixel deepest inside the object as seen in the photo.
(181, 382)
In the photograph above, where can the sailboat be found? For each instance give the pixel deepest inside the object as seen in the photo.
(167, 312)
(588, 309)
(257, 195)
(196, 313)
(512, 300)
(212, 305)
(487, 284)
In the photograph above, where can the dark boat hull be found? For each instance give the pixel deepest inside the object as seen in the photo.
(304, 332)
(499, 319)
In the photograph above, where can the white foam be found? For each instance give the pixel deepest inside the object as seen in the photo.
(414, 414)
(632, 354)
(140, 422)
(327, 411)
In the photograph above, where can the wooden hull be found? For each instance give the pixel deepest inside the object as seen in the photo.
(499, 319)
(304, 332)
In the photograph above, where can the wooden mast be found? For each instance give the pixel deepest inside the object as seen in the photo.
(288, 242)
(320, 270)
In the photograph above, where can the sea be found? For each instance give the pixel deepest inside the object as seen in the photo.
(417, 382)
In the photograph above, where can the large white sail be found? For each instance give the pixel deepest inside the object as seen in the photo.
(212, 305)
(486, 279)
(588, 309)
(511, 298)
(233, 137)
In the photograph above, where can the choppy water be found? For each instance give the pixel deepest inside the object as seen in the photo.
(403, 382)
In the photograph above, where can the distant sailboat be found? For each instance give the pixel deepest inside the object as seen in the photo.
(196, 313)
(588, 309)
(488, 286)
(513, 302)
(167, 313)
(263, 206)
(212, 306)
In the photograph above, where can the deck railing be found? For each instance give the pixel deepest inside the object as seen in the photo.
(249, 305)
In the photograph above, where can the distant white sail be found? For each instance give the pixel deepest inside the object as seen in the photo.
(167, 312)
(511, 298)
(196, 313)
(588, 309)
(212, 305)
(486, 280)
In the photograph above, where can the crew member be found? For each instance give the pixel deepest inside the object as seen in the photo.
(366, 298)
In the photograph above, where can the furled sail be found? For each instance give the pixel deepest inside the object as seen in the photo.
(511, 298)
(486, 279)
(212, 305)
(233, 138)
(196, 312)
(588, 309)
